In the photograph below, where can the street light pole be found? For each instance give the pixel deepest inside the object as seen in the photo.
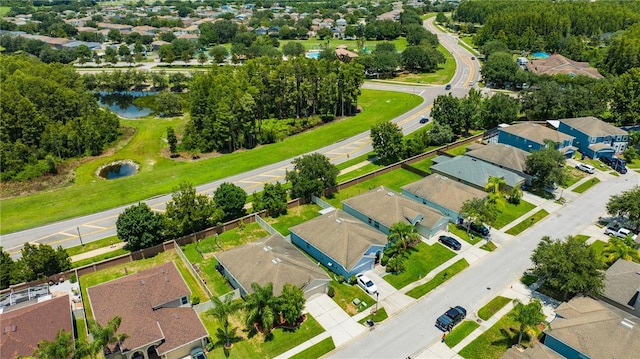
(79, 236)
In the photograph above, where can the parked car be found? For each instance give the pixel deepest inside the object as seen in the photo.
(620, 232)
(480, 229)
(473, 57)
(424, 119)
(366, 284)
(450, 242)
(586, 168)
(617, 164)
(198, 353)
(471, 83)
(450, 318)
(448, 87)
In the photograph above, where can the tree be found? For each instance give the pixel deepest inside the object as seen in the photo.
(627, 205)
(499, 109)
(262, 307)
(168, 104)
(202, 58)
(528, 316)
(62, 347)
(40, 261)
(441, 18)
(478, 210)
(172, 140)
(499, 69)
(293, 48)
(440, 134)
(291, 303)
(620, 248)
(493, 186)
(311, 175)
(231, 199)
(188, 212)
(386, 138)
(405, 234)
(324, 33)
(447, 110)
(570, 267)
(110, 55)
(545, 166)
(630, 154)
(219, 53)
(107, 335)
(421, 58)
(114, 35)
(6, 267)
(273, 198)
(221, 310)
(167, 54)
(124, 50)
(140, 227)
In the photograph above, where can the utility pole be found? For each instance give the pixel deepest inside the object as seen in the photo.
(79, 236)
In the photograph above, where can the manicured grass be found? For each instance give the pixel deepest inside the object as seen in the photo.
(461, 232)
(520, 227)
(581, 237)
(422, 259)
(440, 278)
(460, 332)
(489, 246)
(258, 345)
(443, 75)
(424, 165)
(90, 280)
(369, 45)
(508, 212)
(369, 167)
(598, 247)
(4, 10)
(344, 294)
(467, 43)
(495, 341)
(160, 175)
(380, 315)
(355, 160)
(393, 180)
(586, 185)
(492, 307)
(528, 279)
(317, 350)
(88, 247)
(81, 330)
(98, 258)
(458, 151)
(294, 217)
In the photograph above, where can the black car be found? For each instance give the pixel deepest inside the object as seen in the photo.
(453, 316)
(479, 229)
(450, 242)
(424, 119)
(448, 87)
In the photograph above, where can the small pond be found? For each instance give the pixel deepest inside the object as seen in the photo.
(117, 169)
(122, 103)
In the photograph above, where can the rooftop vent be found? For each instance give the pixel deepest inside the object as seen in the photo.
(142, 281)
(276, 260)
(627, 323)
(390, 194)
(338, 220)
(266, 248)
(14, 328)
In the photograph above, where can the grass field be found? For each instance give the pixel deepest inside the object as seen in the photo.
(586, 185)
(492, 307)
(520, 227)
(508, 212)
(344, 294)
(380, 315)
(160, 175)
(4, 10)
(88, 247)
(317, 350)
(294, 217)
(440, 278)
(422, 259)
(460, 332)
(443, 75)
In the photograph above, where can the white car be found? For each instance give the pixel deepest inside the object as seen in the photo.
(366, 284)
(586, 168)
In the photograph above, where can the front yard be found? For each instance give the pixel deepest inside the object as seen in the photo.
(508, 212)
(421, 260)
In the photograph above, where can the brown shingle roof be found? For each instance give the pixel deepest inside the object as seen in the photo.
(134, 298)
(444, 191)
(593, 127)
(388, 207)
(622, 282)
(502, 155)
(340, 236)
(535, 132)
(558, 64)
(270, 259)
(22, 329)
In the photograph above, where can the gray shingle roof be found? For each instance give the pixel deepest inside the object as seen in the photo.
(475, 171)
(622, 282)
(588, 326)
(502, 155)
(388, 207)
(270, 259)
(535, 132)
(340, 236)
(593, 127)
(444, 191)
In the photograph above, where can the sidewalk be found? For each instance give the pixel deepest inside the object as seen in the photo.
(97, 252)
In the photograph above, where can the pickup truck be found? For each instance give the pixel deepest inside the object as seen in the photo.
(620, 232)
(450, 318)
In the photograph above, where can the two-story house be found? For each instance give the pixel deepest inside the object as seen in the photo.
(594, 137)
(530, 136)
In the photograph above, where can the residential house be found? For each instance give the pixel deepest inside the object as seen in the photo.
(156, 45)
(381, 208)
(442, 194)
(343, 54)
(145, 29)
(474, 172)
(262, 30)
(622, 286)
(504, 156)
(557, 64)
(340, 242)
(23, 326)
(271, 259)
(119, 27)
(594, 137)
(155, 310)
(531, 136)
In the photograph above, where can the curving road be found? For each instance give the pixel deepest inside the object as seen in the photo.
(69, 233)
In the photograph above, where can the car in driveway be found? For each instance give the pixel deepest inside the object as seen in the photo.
(198, 353)
(450, 242)
(619, 232)
(586, 168)
(424, 119)
(450, 318)
(479, 229)
(367, 284)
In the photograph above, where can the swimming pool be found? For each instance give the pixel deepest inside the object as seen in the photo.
(313, 55)
(541, 55)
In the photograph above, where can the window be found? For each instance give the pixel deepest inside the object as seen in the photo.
(369, 220)
(376, 224)
(184, 300)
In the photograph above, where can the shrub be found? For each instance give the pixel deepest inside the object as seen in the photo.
(331, 292)
(515, 196)
(384, 261)
(195, 300)
(353, 280)
(395, 264)
(73, 278)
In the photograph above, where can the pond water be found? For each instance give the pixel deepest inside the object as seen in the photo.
(122, 104)
(117, 170)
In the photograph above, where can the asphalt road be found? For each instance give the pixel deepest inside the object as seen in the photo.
(69, 233)
(413, 330)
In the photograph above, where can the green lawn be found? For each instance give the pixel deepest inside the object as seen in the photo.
(355, 160)
(380, 315)
(317, 350)
(508, 212)
(393, 180)
(462, 233)
(586, 185)
(460, 332)
(443, 75)
(160, 175)
(440, 278)
(344, 294)
(489, 246)
(294, 217)
(98, 258)
(369, 45)
(369, 167)
(422, 259)
(88, 247)
(573, 175)
(582, 237)
(424, 165)
(81, 330)
(4, 10)
(598, 247)
(458, 151)
(520, 227)
(492, 307)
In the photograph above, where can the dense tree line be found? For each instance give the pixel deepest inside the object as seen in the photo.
(36, 262)
(228, 104)
(46, 115)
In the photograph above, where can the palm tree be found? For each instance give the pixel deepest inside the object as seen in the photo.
(405, 234)
(620, 248)
(222, 310)
(528, 316)
(103, 336)
(60, 348)
(262, 306)
(493, 187)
